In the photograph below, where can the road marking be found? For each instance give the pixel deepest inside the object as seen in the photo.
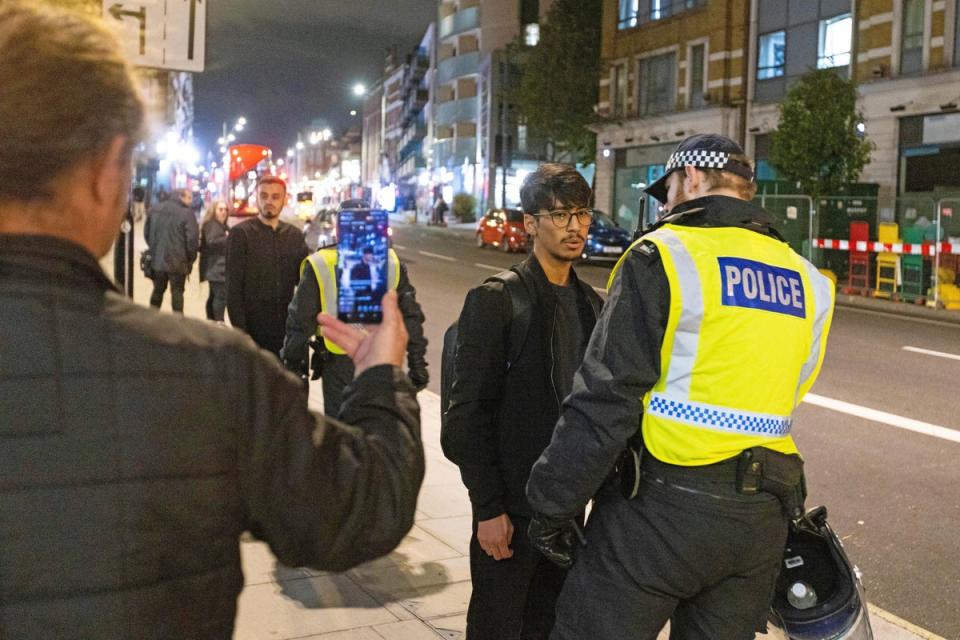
(397, 246)
(928, 352)
(600, 290)
(891, 419)
(900, 316)
(437, 255)
(487, 266)
(903, 624)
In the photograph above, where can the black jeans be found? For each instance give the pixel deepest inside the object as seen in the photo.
(516, 598)
(177, 283)
(705, 559)
(337, 373)
(217, 301)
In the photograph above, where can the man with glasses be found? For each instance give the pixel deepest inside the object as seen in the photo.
(263, 268)
(501, 413)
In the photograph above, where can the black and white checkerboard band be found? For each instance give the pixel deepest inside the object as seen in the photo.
(698, 158)
(720, 418)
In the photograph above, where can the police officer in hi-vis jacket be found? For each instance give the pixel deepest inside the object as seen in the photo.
(713, 331)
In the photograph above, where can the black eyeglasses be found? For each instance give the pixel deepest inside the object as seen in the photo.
(561, 217)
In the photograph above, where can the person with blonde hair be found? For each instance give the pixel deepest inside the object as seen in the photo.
(213, 258)
(136, 447)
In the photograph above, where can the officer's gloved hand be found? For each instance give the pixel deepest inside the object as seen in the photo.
(299, 367)
(555, 538)
(418, 376)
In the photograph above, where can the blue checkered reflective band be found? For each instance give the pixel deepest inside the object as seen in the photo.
(755, 285)
(719, 418)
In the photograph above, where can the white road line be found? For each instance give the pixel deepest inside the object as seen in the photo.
(928, 352)
(437, 255)
(891, 419)
(397, 246)
(488, 266)
(903, 624)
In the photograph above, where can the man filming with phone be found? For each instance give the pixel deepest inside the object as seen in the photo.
(318, 291)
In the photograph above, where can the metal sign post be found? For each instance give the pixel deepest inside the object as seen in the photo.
(163, 34)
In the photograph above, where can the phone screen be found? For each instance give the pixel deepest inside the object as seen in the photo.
(361, 264)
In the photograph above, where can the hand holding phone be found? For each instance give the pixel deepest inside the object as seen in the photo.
(368, 347)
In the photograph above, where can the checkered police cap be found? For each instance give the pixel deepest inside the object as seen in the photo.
(703, 151)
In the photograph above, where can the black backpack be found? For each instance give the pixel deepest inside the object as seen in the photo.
(519, 324)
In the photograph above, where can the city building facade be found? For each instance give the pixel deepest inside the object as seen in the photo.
(677, 67)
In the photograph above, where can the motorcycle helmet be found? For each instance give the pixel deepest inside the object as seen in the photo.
(819, 595)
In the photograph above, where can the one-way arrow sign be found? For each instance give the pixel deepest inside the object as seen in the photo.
(166, 34)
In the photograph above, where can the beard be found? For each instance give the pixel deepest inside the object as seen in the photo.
(270, 212)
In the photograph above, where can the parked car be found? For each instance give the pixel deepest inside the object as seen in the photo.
(607, 240)
(502, 228)
(321, 231)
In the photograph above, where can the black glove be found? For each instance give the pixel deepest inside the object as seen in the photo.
(556, 539)
(419, 377)
(298, 367)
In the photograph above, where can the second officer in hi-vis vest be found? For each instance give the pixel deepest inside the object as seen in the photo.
(713, 331)
(317, 292)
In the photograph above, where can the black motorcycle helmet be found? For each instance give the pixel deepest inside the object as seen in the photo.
(827, 599)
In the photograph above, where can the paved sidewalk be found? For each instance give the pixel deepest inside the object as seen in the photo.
(418, 592)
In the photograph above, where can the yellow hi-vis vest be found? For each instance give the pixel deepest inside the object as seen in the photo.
(324, 263)
(745, 338)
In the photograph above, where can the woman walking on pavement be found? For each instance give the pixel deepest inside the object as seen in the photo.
(213, 258)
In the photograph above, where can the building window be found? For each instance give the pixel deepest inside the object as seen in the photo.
(836, 35)
(772, 56)
(635, 12)
(658, 84)
(697, 69)
(619, 84)
(911, 39)
(531, 34)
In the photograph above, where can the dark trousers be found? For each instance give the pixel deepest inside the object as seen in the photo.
(217, 301)
(177, 283)
(514, 598)
(336, 374)
(705, 559)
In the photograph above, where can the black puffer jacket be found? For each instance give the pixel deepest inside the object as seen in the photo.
(135, 447)
(173, 236)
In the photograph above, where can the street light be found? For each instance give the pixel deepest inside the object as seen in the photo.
(353, 112)
(242, 121)
(300, 145)
(359, 89)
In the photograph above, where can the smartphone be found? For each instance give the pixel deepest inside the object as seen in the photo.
(362, 260)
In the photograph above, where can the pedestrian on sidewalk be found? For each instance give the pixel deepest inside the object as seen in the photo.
(173, 237)
(713, 331)
(263, 267)
(501, 413)
(136, 448)
(317, 292)
(213, 258)
(440, 209)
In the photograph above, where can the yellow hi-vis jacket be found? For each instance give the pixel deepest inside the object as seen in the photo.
(324, 263)
(745, 338)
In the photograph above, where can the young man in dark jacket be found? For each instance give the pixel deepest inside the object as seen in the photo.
(501, 414)
(263, 268)
(135, 447)
(173, 236)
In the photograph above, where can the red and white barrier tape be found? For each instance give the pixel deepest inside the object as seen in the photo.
(924, 249)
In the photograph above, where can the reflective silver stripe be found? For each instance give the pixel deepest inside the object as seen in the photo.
(328, 285)
(700, 414)
(821, 289)
(687, 336)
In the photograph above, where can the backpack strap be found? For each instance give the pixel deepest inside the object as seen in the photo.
(522, 311)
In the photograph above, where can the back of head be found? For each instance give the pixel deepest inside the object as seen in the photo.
(551, 184)
(67, 94)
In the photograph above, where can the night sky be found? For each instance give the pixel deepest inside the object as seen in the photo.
(283, 63)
